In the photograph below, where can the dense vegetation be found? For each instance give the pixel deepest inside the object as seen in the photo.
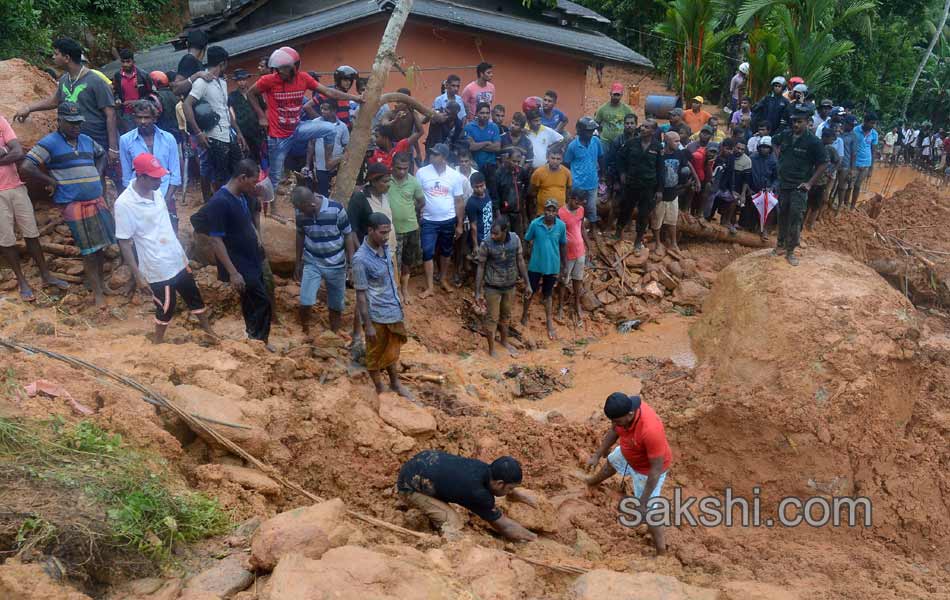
(865, 51)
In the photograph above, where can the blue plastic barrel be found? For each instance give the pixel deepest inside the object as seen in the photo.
(659, 107)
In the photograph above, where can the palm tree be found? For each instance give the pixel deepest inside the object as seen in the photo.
(695, 28)
(933, 42)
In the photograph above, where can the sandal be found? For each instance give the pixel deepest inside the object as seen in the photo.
(27, 296)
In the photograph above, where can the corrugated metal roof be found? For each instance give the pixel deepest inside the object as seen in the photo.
(573, 8)
(165, 57)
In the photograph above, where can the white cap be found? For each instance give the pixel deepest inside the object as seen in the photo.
(801, 87)
(280, 58)
(766, 141)
(744, 68)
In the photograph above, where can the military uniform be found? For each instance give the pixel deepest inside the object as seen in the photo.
(799, 158)
(643, 169)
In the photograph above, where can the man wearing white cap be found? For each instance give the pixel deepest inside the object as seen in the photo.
(736, 85)
(162, 266)
(284, 93)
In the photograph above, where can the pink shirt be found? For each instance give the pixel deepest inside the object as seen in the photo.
(575, 239)
(474, 93)
(9, 178)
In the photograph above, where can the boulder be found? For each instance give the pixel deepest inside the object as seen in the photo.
(666, 280)
(633, 261)
(120, 277)
(198, 595)
(407, 417)
(226, 578)
(20, 84)
(216, 409)
(495, 574)
(280, 245)
(29, 582)
(357, 573)
(653, 290)
(306, 531)
(150, 588)
(601, 583)
(690, 293)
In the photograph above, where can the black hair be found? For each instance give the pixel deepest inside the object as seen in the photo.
(70, 48)
(519, 119)
(482, 67)
(631, 116)
(871, 116)
(555, 149)
(386, 131)
(452, 78)
(405, 91)
(501, 222)
(402, 157)
(551, 93)
(144, 106)
(453, 106)
(727, 143)
(300, 195)
(619, 404)
(463, 153)
(216, 55)
(828, 132)
(327, 102)
(573, 193)
(482, 105)
(172, 75)
(126, 54)
(533, 114)
(738, 130)
(476, 178)
(197, 39)
(506, 469)
(377, 220)
(500, 106)
(247, 168)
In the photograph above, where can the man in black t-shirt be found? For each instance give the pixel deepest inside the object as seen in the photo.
(431, 479)
(678, 173)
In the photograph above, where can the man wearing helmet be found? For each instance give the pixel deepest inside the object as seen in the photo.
(737, 86)
(284, 90)
(344, 78)
(772, 108)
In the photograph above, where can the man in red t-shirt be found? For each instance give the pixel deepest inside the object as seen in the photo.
(284, 92)
(643, 453)
(386, 149)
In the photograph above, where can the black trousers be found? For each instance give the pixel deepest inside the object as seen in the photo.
(256, 308)
(643, 200)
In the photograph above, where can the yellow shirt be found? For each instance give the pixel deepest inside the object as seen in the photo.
(551, 184)
(717, 137)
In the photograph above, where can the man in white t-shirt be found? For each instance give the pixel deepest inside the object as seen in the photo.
(441, 215)
(141, 217)
(541, 138)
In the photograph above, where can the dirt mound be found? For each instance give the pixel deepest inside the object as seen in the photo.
(31, 582)
(813, 386)
(20, 84)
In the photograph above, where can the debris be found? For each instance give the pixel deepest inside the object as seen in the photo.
(55, 390)
(628, 326)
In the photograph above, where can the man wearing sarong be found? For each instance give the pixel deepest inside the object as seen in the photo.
(379, 306)
(75, 163)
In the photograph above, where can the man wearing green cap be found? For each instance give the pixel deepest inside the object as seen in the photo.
(643, 453)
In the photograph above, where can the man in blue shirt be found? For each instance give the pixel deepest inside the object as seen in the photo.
(379, 306)
(485, 142)
(146, 138)
(229, 220)
(865, 138)
(847, 167)
(585, 156)
(551, 115)
(452, 85)
(548, 261)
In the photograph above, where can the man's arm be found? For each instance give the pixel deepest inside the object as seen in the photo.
(512, 530)
(254, 97)
(362, 307)
(459, 216)
(221, 255)
(523, 269)
(298, 264)
(479, 274)
(125, 161)
(656, 469)
(113, 132)
(338, 94)
(128, 257)
(606, 444)
(13, 152)
(32, 171)
(584, 238)
(189, 110)
(40, 105)
(519, 495)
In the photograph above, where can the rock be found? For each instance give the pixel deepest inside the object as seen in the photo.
(634, 261)
(675, 270)
(495, 575)
(216, 382)
(666, 280)
(120, 277)
(543, 518)
(198, 595)
(29, 582)
(280, 246)
(205, 404)
(228, 577)
(586, 547)
(600, 584)
(405, 416)
(305, 531)
(356, 573)
(328, 339)
(689, 267)
(689, 293)
(284, 368)
(251, 479)
(653, 290)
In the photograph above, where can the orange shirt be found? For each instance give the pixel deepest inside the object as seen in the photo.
(551, 184)
(696, 120)
(643, 440)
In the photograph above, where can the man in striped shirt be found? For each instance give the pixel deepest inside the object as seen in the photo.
(325, 246)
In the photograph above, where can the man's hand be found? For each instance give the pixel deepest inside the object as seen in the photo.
(658, 196)
(242, 143)
(805, 187)
(203, 140)
(113, 157)
(51, 186)
(21, 114)
(262, 121)
(298, 272)
(370, 332)
(237, 282)
(143, 284)
(206, 76)
(458, 230)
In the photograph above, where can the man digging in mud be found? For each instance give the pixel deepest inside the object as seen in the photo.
(643, 454)
(431, 479)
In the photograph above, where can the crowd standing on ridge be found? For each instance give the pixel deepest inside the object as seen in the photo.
(468, 193)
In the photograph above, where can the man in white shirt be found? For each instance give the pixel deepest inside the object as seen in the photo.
(324, 169)
(442, 214)
(452, 85)
(162, 268)
(541, 138)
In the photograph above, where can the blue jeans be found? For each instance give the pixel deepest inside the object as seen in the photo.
(588, 199)
(336, 285)
(278, 148)
(437, 235)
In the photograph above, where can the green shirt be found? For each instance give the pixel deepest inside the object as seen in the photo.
(402, 202)
(799, 157)
(610, 119)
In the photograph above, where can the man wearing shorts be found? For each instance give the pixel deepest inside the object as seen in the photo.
(643, 453)
(142, 218)
(75, 163)
(325, 245)
(574, 215)
(405, 198)
(442, 187)
(16, 210)
(667, 210)
(500, 260)
(866, 139)
(548, 259)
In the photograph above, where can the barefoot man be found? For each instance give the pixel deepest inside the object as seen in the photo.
(442, 215)
(500, 260)
(643, 453)
(378, 304)
(548, 260)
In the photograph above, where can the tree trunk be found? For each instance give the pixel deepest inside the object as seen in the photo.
(923, 61)
(362, 128)
(700, 228)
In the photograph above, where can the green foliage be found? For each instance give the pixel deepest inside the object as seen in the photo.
(132, 488)
(697, 29)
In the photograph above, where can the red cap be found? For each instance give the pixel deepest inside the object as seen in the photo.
(147, 164)
(616, 88)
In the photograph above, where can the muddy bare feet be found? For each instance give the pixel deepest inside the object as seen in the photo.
(510, 349)
(552, 333)
(446, 286)
(400, 389)
(426, 293)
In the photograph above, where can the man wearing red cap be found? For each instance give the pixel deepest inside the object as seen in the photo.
(643, 453)
(284, 91)
(162, 267)
(611, 114)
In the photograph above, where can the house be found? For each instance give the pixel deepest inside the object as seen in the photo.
(533, 49)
